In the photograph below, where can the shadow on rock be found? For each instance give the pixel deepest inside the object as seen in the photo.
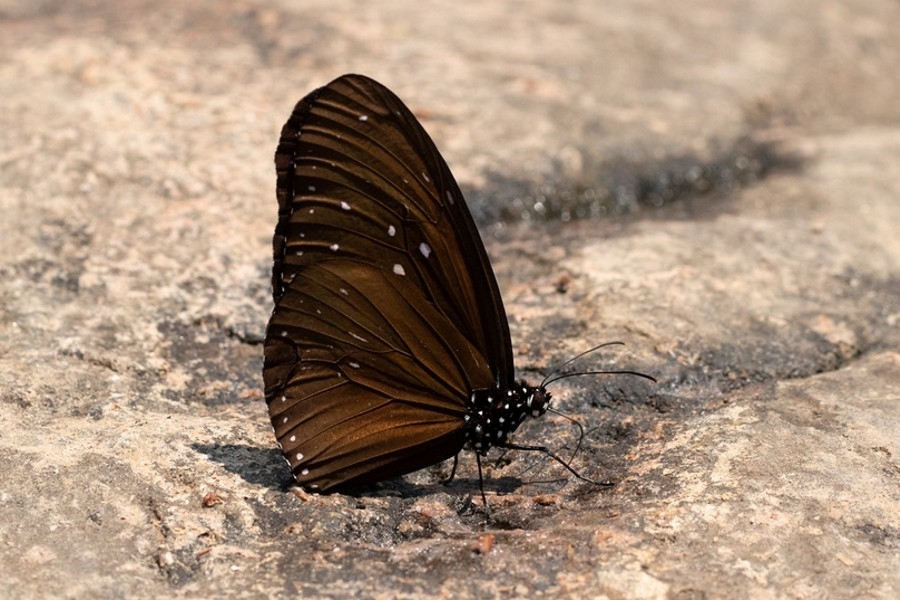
(258, 466)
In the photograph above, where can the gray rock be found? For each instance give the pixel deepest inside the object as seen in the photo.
(714, 184)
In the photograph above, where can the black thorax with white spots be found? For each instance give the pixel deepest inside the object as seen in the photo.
(494, 414)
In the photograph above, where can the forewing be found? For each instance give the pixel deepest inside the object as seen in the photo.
(360, 179)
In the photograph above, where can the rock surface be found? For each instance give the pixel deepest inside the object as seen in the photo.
(714, 183)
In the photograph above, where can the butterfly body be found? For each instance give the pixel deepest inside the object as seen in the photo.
(388, 349)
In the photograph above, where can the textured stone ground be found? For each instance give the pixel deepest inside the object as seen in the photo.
(714, 183)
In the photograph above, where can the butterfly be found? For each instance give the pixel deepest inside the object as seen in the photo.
(388, 349)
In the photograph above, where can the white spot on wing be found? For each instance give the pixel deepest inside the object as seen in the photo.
(311, 188)
(359, 337)
(425, 249)
(399, 270)
(363, 117)
(344, 205)
(299, 457)
(425, 177)
(450, 198)
(392, 231)
(355, 365)
(293, 438)
(306, 472)
(344, 291)
(334, 247)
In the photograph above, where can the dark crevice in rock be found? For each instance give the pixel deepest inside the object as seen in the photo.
(619, 186)
(884, 536)
(97, 361)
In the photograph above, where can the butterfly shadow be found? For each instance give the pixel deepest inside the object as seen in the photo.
(265, 467)
(257, 466)
(460, 486)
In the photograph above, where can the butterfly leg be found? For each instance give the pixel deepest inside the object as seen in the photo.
(555, 457)
(481, 479)
(449, 479)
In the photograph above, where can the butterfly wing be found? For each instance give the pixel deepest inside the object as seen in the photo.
(387, 312)
(365, 379)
